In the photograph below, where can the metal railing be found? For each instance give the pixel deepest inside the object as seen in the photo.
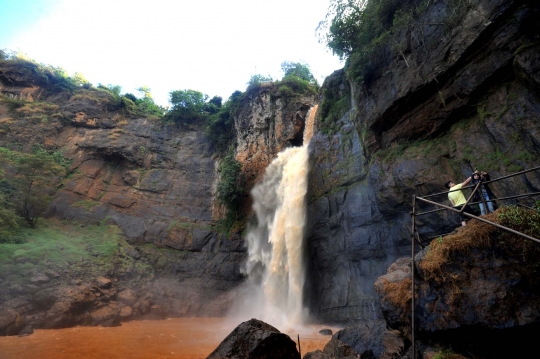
(415, 236)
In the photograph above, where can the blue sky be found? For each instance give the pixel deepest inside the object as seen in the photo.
(212, 46)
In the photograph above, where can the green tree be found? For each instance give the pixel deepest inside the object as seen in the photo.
(145, 90)
(229, 188)
(299, 70)
(352, 26)
(188, 106)
(146, 105)
(255, 80)
(34, 177)
(8, 221)
(80, 80)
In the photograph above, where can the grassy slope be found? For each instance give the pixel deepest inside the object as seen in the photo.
(69, 249)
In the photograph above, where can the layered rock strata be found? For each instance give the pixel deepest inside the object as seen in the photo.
(265, 125)
(462, 97)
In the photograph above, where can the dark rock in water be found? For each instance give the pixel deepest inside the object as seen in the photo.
(108, 316)
(67, 305)
(317, 354)
(339, 350)
(326, 332)
(11, 322)
(255, 339)
(126, 312)
(336, 349)
(364, 337)
(155, 312)
(26, 331)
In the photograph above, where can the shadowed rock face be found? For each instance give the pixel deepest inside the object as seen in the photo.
(155, 183)
(256, 339)
(468, 98)
(486, 288)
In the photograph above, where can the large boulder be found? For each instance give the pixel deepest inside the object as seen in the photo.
(11, 322)
(255, 339)
(70, 306)
(364, 338)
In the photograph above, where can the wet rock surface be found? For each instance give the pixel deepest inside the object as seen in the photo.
(266, 125)
(256, 339)
(467, 99)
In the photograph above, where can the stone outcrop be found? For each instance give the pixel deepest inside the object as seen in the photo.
(265, 125)
(256, 339)
(60, 307)
(479, 301)
(481, 288)
(365, 341)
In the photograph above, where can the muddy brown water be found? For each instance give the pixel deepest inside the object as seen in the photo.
(182, 338)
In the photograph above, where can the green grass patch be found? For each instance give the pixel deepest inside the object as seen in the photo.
(61, 245)
(88, 205)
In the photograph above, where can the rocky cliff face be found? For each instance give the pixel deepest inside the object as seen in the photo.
(461, 97)
(267, 124)
(155, 181)
(463, 93)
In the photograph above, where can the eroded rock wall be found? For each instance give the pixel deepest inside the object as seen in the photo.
(466, 97)
(155, 181)
(266, 124)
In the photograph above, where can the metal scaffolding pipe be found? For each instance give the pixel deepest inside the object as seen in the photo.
(470, 197)
(481, 220)
(514, 174)
(494, 180)
(416, 236)
(413, 230)
(491, 200)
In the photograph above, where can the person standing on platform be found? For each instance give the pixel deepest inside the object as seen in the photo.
(457, 198)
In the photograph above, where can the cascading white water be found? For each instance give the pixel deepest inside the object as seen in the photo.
(275, 262)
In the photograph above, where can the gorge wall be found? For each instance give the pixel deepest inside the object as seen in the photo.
(156, 181)
(463, 94)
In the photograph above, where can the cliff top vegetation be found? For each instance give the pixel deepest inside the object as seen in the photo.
(362, 31)
(19, 70)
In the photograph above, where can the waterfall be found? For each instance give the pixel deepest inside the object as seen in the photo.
(275, 246)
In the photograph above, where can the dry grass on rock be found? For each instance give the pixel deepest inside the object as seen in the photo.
(398, 293)
(478, 235)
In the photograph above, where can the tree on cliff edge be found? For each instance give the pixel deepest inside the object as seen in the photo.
(188, 106)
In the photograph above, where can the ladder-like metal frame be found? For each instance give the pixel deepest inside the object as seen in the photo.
(416, 238)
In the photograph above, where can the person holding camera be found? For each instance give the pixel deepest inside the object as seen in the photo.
(483, 192)
(457, 198)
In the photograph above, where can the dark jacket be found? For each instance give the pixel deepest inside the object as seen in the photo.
(483, 178)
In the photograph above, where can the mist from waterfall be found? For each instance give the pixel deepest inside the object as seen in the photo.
(275, 266)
